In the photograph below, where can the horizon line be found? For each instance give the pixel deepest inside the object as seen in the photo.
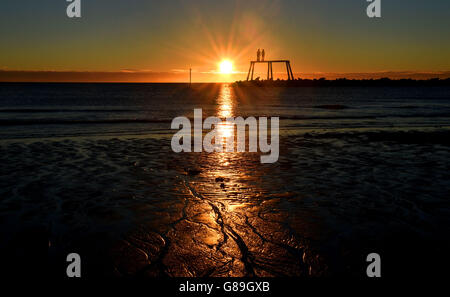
(146, 76)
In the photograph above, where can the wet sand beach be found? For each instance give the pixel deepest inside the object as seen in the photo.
(131, 207)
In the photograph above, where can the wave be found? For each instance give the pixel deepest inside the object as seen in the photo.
(40, 110)
(331, 106)
(62, 121)
(20, 122)
(406, 137)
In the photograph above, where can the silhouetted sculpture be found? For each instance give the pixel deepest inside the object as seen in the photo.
(251, 70)
(263, 53)
(258, 55)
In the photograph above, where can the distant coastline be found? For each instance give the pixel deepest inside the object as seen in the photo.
(343, 82)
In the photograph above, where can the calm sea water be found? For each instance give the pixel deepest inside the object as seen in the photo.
(89, 168)
(47, 110)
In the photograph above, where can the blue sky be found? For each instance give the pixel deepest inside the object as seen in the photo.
(165, 36)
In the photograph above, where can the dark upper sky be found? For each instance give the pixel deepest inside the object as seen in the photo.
(168, 37)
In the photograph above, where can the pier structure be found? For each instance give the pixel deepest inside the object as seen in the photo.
(251, 70)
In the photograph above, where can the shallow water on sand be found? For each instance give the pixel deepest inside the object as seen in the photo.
(132, 207)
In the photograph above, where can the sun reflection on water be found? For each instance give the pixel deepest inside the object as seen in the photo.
(225, 109)
(225, 102)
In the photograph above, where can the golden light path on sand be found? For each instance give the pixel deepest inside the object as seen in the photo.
(219, 217)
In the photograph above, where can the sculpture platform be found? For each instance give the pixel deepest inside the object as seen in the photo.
(251, 70)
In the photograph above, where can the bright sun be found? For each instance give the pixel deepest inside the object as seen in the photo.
(226, 67)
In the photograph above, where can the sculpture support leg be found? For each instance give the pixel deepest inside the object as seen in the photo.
(290, 70)
(249, 69)
(287, 70)
(271, 71)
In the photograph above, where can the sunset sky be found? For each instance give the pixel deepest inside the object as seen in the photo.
(137, 40)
